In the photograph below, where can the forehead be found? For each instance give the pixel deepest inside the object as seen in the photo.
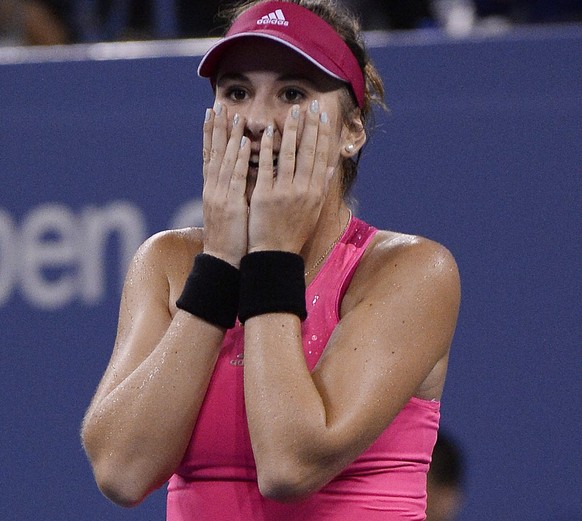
(247, 55)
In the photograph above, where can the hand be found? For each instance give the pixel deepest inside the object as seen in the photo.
(225, 208)
(286, 202)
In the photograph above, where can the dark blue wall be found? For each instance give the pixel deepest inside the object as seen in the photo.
(481, 150)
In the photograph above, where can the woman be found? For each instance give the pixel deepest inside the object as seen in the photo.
(321, 402)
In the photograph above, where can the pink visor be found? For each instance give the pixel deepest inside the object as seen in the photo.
(299, 29)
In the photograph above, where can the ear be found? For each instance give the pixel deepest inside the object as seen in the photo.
(353, 137)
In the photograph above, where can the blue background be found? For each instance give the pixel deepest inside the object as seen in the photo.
(481, 150)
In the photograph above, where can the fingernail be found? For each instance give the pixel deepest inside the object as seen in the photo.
(269, 131)
(243, 141)
(235, 120)
(324, 117)
(314, 106)
(218, 109)
(295, 112)
(207, 115)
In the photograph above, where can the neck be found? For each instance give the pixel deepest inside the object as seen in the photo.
(332, 223)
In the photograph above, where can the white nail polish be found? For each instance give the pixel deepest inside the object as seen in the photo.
(324, 118)
(235, 120)
(207, 115)
(243, 141)
(269, 131)
(314, 106)
(218, 109)
(295, 112)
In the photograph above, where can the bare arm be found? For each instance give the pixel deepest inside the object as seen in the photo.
(392, 342)
(139, 423)
(305, 428)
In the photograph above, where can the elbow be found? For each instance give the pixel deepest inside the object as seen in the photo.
(123, 494)
(285, 484)
(120, 486)
(283, 491)
(291, 477)
(115, 478)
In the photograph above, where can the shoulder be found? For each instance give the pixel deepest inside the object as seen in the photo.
(160, 267)
(402, 304)
(396, 262)
(412, 253)
(166, 256)
(170, 247)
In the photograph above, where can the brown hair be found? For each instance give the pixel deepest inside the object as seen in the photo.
(347, 25)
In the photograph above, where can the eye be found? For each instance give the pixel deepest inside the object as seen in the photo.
(293, 95)
(236, 94)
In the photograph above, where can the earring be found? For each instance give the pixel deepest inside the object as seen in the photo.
(350, 148)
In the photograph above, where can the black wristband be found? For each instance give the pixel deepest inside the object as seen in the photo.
(211, 291)
(272, 282)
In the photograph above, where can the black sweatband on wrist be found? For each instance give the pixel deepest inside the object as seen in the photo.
(272, 282)
(211, 291)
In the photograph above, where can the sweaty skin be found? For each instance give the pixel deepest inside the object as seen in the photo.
(397, 317)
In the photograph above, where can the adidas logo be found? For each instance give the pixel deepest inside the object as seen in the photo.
(275, 18)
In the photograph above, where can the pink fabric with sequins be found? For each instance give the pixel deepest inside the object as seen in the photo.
(217, 477)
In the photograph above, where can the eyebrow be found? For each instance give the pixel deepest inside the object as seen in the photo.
(238, 76)
(231, 76)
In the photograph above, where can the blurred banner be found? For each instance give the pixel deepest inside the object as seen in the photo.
(481, 150)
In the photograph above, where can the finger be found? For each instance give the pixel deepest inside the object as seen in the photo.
(238, 182)
(319, 177)
(286, 160)
(218, 139)
(207, 141)
(231, 152)
(265, 174)
(307, 146)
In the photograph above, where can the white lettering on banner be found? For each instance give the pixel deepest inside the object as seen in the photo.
(8, 255)
(62, 255)
(123, 219)
(48, 242)
(57, 256)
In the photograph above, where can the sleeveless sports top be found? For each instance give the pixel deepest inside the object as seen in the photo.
(217, 478)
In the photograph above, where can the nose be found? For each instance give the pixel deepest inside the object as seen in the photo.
(257, 118)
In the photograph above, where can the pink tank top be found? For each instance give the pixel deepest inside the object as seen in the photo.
(217, 478)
